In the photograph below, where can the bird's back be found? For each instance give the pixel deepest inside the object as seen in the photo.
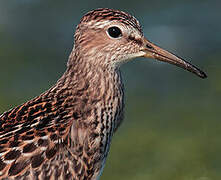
(30, 137)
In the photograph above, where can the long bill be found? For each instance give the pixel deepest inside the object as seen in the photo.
(155, 52)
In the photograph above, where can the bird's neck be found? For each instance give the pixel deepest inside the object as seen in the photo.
(90, 90)
(88, 77)
(93, 97)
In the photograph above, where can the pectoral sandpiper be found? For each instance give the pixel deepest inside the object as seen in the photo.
(65, 133)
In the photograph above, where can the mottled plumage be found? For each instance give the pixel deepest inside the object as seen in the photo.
(65, 133)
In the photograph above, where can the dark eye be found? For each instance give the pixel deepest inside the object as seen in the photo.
(114, 32)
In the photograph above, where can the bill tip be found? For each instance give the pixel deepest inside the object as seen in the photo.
(203, 75)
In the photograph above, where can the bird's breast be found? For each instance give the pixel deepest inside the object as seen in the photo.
(97, 120)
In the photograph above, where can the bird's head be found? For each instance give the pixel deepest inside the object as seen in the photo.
(110, 37)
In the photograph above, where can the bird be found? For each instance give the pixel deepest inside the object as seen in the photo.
(66, 132)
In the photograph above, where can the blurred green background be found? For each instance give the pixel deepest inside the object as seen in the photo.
(172, 127)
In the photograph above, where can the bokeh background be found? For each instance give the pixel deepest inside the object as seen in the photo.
(172, 127)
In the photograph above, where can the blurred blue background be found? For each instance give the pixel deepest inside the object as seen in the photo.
(172, 127)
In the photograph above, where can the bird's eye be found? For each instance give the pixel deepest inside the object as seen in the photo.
(114, 32)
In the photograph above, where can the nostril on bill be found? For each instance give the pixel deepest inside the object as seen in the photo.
(149, 46)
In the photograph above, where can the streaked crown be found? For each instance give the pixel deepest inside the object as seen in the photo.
(105, 14)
